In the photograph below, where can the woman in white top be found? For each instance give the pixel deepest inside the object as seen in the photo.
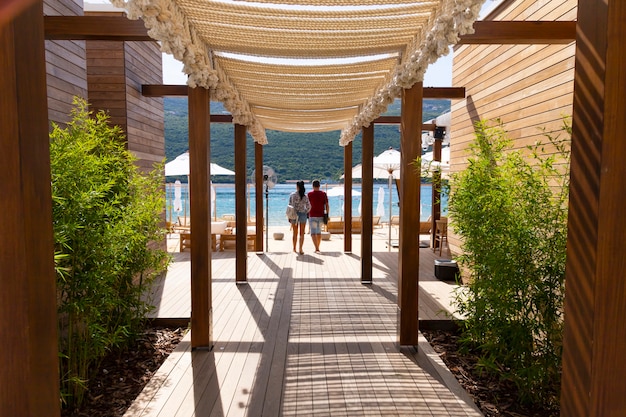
(300, 201)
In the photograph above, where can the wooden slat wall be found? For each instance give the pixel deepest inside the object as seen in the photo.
(528, 87)
(65, 65)
(116, 72)
(107, 79)
(146, 134)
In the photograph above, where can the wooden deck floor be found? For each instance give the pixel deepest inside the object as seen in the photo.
(303, 337)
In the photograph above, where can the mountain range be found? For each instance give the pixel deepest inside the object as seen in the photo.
(293, 156)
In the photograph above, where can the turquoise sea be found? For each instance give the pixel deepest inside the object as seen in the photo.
(278, 196)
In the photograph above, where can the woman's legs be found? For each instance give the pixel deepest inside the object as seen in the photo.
(294, 229)
(302, 227)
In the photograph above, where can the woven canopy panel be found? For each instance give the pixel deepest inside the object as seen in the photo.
(305, 66)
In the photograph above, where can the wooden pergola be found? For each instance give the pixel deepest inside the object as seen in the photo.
(593, 368)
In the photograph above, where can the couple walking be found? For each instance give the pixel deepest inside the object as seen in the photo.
(312, 205)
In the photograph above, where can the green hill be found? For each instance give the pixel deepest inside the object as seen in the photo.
(292, 155)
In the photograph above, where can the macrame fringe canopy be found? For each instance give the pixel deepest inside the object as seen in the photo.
(305, 66)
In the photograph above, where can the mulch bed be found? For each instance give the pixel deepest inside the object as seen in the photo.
(122, 376)
(493, 397)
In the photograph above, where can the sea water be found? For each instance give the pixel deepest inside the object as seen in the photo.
(275, 202)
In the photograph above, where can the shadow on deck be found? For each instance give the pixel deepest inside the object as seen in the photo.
(303, 337)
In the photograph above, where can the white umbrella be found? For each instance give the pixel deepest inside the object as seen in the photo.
(220, 170)
(178, 203)
(180, 166)
(378, 172)
(389, 161)
(444, 165)
(380, 207)
(213, 195)
(338, 192)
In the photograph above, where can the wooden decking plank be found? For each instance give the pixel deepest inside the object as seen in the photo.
(229, 323)
(231, 361)
(246, 358)
(247, 383)
(151, 395)
(190, 392)
(166, 398)
(304, 336)
(190, 383)
(275, 352)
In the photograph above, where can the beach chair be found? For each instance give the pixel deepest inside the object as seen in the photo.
(229, 219)
(217, 229)
(183, 224)
(376, 222)
(335, 225)
(441, 234)
(227, 240)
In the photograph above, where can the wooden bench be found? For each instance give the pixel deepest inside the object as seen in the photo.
(185, 241)
(230, 235)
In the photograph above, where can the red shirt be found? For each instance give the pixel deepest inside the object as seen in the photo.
(318, 201)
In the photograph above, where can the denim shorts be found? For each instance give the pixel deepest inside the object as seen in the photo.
(301, 219)
(315, 225)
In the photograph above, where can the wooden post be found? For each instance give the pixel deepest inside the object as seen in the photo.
(200, 198)
(408, 263)
(593, 381)
(347, 214)
(436, 194)
(347, 192)
(241, 223)
(259, 193)
(29, 354)
(367, 191)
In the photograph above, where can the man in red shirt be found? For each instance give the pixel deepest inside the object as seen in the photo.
(319, 207)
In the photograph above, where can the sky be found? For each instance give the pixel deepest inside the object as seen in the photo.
(438, 74)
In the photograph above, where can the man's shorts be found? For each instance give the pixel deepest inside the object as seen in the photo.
(315, 225)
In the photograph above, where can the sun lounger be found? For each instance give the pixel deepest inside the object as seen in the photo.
(335, 225)
(227, 240)
(217, 230)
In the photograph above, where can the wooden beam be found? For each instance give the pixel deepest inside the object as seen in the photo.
(241, 211)
(96, 28)
(120, 28)
(408, 261)
(443, 92)
(367, 197)
(162, 90)
(593, 383)
(200, 172)
(396, 120)
(28, 311)
(157, 90)
(492, 32)
(347, 190)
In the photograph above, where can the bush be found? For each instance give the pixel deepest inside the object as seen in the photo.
(511, 214)
(107, 216)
